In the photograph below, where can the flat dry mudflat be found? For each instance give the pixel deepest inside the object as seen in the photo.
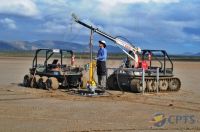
(26, 109)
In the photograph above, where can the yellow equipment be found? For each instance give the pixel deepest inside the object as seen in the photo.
(91, 72)
(91, 83)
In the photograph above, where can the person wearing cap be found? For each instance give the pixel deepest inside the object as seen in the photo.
(101, 64)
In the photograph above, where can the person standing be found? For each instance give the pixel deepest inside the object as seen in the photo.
(101, 64)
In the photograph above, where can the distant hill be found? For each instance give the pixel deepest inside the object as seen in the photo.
(76, 47)
(26, 45)
(6, 46)
(197, 54)
(14, 45)
(191, 54)
(187, 53)
(59, 45)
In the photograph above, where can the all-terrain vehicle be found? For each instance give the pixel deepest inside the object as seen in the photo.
(44, 74)
(130, 79)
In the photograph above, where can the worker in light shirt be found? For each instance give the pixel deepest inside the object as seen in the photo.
(101, 64)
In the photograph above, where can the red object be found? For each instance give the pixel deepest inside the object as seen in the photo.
(144, 65)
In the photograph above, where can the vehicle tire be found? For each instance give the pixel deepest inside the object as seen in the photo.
(42, 82)
(27, 80)
(174, 84)
(52, 83)
(151, 85)
(34, 81)
(163, 85)
(136, 86)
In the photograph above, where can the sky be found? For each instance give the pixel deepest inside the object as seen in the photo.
(172, 25)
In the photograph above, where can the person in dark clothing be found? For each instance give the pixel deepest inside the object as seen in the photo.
(101, 64)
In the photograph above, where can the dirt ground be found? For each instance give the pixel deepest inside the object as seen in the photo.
(26, 109)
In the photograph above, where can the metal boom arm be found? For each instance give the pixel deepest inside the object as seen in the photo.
(117, 41)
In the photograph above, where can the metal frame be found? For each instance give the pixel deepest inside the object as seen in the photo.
(70, 73)
(47, 56)
(165, 57)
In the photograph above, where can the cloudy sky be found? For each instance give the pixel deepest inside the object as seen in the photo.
(173, 25)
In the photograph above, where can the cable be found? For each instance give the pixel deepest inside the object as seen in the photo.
(117, 77)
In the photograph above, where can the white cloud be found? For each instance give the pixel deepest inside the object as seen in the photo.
(138, 1)
(53, 8)
(52, 27)
(19, 7)
(53, 2)
(9, 23)
(108, 7)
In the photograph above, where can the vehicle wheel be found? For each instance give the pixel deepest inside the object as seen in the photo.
(140, 86)
(52, 83)
(174, 84)
(27, 80)
(151, 85)
(163, 85)
(34, 81)
(136, 86)
(42, 82)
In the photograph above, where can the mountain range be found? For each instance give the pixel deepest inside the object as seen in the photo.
(51, 44)
(26, 45)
